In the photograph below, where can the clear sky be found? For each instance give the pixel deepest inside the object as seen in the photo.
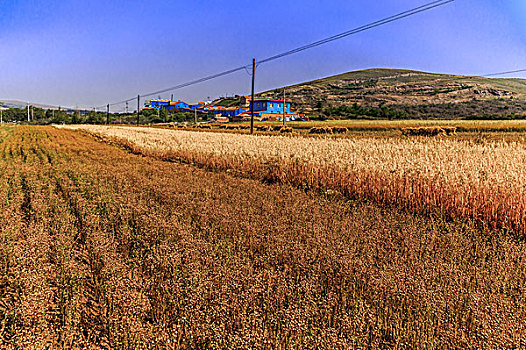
(89, 53)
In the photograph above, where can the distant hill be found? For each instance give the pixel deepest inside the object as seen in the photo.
(12, 104)
(373, 87)
(22, 105)
(413, 93)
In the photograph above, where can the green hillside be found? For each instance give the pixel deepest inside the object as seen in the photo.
(387, 77)
(408, 94)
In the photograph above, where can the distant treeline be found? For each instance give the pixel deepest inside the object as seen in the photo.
(357, 111)
(40, 116)
(476, 109)
(479, 109)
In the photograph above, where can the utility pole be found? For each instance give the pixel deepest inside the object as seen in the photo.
(28, 111)
(138, 108)
(108, 114)
(126, 107)
(284, 105)
(252, 104)
(195, 115)
(172, 97)
(1, 116)
(32, 113)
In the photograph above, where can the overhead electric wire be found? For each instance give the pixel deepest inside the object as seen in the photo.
(505, 73)
(214, 76)
(372, 25)
(381, 22)
(196, 81)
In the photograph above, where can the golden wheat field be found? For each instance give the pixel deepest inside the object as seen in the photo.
(484, 183)
(379, 125)
(138, 238)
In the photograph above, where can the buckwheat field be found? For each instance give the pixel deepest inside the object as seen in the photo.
(123, 237)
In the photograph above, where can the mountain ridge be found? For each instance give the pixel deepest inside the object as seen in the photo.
(380, 86)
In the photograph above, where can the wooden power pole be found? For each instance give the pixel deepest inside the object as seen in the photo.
(107, 114)
(138, 108)
(284, 104)
(252, 99)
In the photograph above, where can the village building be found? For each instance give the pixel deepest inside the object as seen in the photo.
(225, 111)
(199, 105)
(166, 104)
(271, 106)
(157, 103)
(178, 106)
(245, 101)
(264, 109)
(272, 110)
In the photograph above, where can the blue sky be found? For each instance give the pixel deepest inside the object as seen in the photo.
(89, 53)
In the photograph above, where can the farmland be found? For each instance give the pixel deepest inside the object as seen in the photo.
(509, 130)
(481, 182)
(393, 125)
(154, 238)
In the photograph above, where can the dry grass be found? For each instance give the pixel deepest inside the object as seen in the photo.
(391, 125)
(429, 131)
(105, 249)
(484, 183)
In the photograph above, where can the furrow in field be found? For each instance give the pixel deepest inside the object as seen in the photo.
(107, 304)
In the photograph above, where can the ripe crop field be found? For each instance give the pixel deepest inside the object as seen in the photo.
(483, 183)
(104, 248)
(470, 126)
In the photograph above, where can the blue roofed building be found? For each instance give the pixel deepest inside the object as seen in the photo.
(272, 109)
(199, 105)
(229, 112)
(159, 103)
(232, 111)
(167, 104)
(178, 105)
(271, 106)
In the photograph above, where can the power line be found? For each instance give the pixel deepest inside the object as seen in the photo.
(381, 22)
(504, 73)
(195, 81)
(176, 87)
(372, 25)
